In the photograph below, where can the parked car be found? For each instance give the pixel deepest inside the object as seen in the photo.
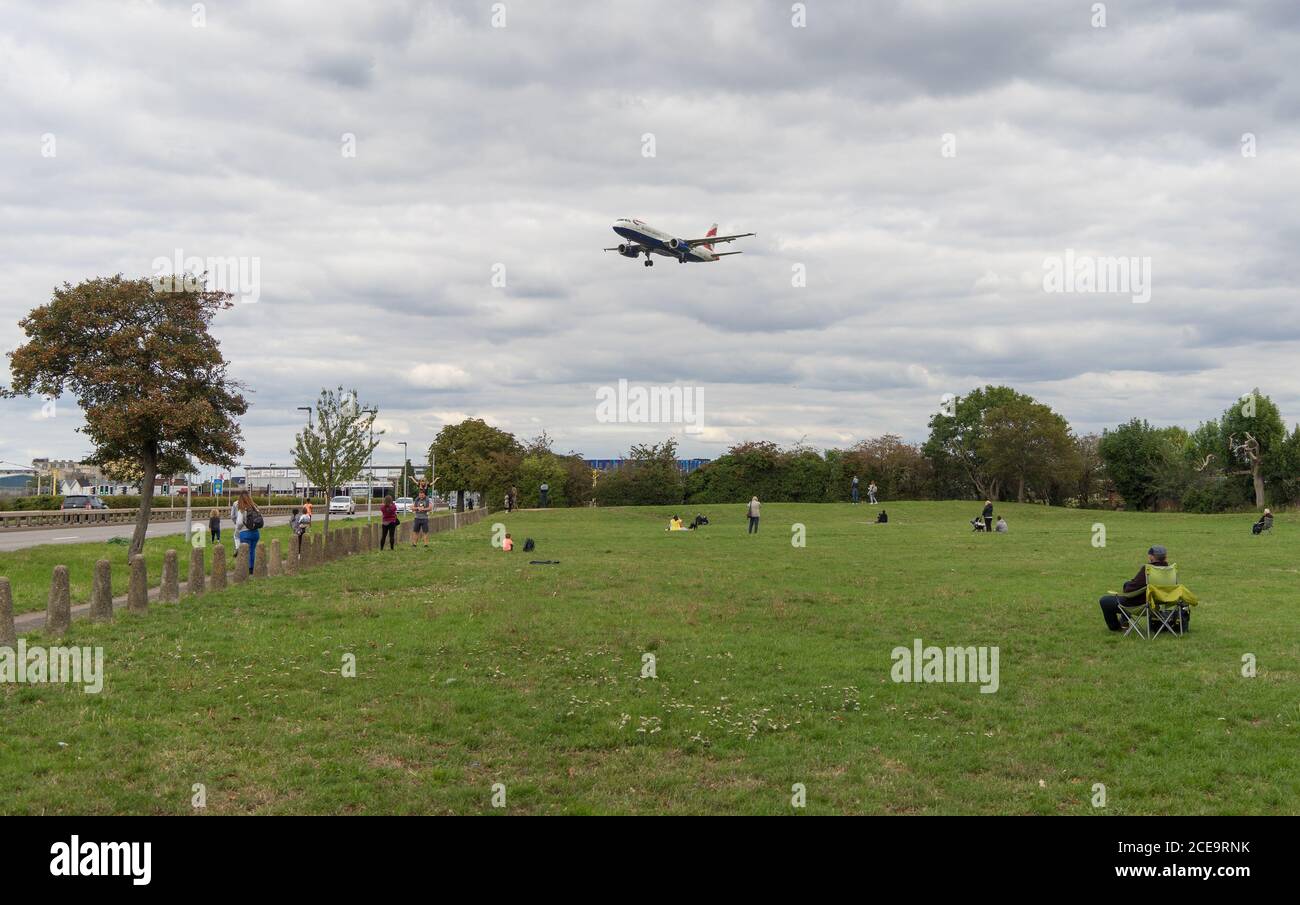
(343, 504)
(82, 502)
(405, 504)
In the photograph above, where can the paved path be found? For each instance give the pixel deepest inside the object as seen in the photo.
(80, 534)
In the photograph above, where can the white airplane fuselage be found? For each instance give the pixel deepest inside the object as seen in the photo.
(656, 241)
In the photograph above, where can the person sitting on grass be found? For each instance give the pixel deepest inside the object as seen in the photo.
(675, 524)
(507, 544)
(1265, 523)
(1001, 527)
(698, 521)
(1110, 604)
(883, 518)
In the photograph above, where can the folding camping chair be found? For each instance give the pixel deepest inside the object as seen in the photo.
(1163, 604)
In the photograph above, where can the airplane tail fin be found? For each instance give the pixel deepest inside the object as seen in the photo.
(713, 231)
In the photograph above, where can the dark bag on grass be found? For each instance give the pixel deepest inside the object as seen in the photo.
(529, 545)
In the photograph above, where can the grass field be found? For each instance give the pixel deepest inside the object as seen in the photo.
(773, 665)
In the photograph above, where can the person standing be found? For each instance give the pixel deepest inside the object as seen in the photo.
(214, 525)
(509, 507)
(754, 505)
(248, 525)
(854, 490)
(300, 522)
(388, 515)
(871, 493)
(306, 509)
(544, 493)
(988, 516)
(423, 506)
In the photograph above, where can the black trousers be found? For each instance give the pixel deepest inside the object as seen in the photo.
(753, 524)
(988, 523)
(389, 533)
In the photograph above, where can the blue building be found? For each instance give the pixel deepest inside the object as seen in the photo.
(686, 465)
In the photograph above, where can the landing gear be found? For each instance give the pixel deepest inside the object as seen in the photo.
(648, 262)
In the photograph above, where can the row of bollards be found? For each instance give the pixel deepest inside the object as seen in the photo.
(268, 561)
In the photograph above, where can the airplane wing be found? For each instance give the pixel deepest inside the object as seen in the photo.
(723, 254)
(713, 240)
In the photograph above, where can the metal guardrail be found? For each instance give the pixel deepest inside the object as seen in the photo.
(61, 518)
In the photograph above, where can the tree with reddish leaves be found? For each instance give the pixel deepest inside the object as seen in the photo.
(147, 373)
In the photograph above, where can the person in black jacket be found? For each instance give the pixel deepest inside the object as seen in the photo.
(988, 516)
(1156, 556)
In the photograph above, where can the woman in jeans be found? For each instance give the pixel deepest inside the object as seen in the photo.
(388, 511)
(243, 534)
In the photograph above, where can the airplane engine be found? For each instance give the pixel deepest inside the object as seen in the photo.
(676, 244)
(628, 251)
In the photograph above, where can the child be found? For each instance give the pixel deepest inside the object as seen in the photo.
(507, 545)
(214, 525)
(299, 522)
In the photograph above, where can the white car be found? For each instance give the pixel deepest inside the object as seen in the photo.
(405, 504)
(343, 504)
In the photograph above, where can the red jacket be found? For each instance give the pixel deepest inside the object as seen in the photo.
(389, 512)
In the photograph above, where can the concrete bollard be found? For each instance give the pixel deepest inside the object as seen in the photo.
(137, 594)
(58, 611)
(197, 583)
(259, 562)
(274, 563)
(171, 579)
(239, 568)
(354, 541)
(101, 592)
(219, 567)
(291, 561)
(8, 637)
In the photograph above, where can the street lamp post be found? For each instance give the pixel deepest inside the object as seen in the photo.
(306, 490)
(370, 482)
(404, 461)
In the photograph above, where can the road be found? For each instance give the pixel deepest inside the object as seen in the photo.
(80, 534)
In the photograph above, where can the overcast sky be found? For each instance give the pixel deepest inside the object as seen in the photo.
(917, 162)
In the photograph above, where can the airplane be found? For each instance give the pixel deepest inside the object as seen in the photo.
(644, 239)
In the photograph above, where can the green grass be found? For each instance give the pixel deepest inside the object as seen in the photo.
(773, 663)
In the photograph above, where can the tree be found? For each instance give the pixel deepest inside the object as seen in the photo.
(899, 469)
(1024, 442)
(649, 476)
(1091, 479)
(334, 450)
(1133, 454)
(956, 444)
(475, 456)
(147, 373)
(1255, 440)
